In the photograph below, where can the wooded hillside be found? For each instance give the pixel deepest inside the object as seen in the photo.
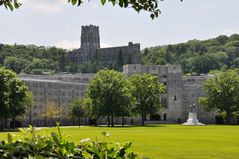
(197, 56)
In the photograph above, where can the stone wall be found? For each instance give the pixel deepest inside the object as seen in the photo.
(57, 90)
(61, 89)
(193, 89)
(180, 93)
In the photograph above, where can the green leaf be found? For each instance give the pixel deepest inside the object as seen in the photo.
(9, 138)
(73, 2)
(152, 16)
(103, 2)
(9, 4)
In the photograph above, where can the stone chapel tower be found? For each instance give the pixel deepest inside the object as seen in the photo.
(90, 37)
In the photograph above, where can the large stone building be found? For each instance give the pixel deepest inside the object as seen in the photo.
(181, 92)
(58, 90)
(90, 49)
(61, 89)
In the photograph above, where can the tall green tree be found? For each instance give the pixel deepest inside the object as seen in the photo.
(13, 96)
(222, 93)
(81, 108)
(110, 93)
(5, 76)
(18, 98)
(147, 91)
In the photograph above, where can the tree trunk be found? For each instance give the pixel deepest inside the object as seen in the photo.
(123, 121)
(86, 123)
(229, 117)
(108, 120)
(5, 125)
(73, 121)
(13, 122)
(112, 119)
(78, 121)
(51, 122)
(1, 128)
(45, 121)
(142, 119)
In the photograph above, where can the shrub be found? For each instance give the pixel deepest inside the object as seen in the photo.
(31, 145)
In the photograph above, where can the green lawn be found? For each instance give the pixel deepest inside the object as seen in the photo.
(167, 141)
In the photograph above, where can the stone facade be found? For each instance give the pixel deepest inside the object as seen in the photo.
(180, 92)
(61, 89)
(90, 49)
(192, 89)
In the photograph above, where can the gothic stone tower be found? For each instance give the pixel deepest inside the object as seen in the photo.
(90, 37)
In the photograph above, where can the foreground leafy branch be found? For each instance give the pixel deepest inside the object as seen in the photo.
(11, 4)
(32, 145)
(150, 6)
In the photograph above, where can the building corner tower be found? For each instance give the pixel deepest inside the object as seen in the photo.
(90, 37)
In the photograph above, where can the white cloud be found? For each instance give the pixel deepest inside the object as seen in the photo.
(68, 44)
(229, 32)
(45, 6)
(105, 45)
(209, 6)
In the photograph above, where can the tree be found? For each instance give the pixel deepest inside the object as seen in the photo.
(5, 76)
(222, 93)
(146, 90)
(81, 108)
(13, 96)
(29, 103)
(110, 95)
(18, 98)
(15, 63)
(52, 112)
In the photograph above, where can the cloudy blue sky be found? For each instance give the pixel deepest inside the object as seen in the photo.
(57, 23)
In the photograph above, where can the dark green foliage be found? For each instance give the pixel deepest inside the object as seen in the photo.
(222, 93)
(81, 108)
(33, 59)
(150, 6)
(14, 96)
(54, 146)
(110, 93)
(146, 91)
(11, 4)
(197, 56)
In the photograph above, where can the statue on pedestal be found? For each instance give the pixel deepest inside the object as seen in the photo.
(192, 117)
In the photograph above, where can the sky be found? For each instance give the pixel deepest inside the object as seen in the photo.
(57, 23)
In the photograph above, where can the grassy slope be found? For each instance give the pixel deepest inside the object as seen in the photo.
(168, 141)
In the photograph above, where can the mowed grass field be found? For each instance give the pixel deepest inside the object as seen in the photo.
(165, 141)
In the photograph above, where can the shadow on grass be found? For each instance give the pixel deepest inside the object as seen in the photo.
(9, 130)
(130, 126)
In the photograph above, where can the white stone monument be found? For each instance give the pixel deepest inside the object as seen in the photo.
(192, 117)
